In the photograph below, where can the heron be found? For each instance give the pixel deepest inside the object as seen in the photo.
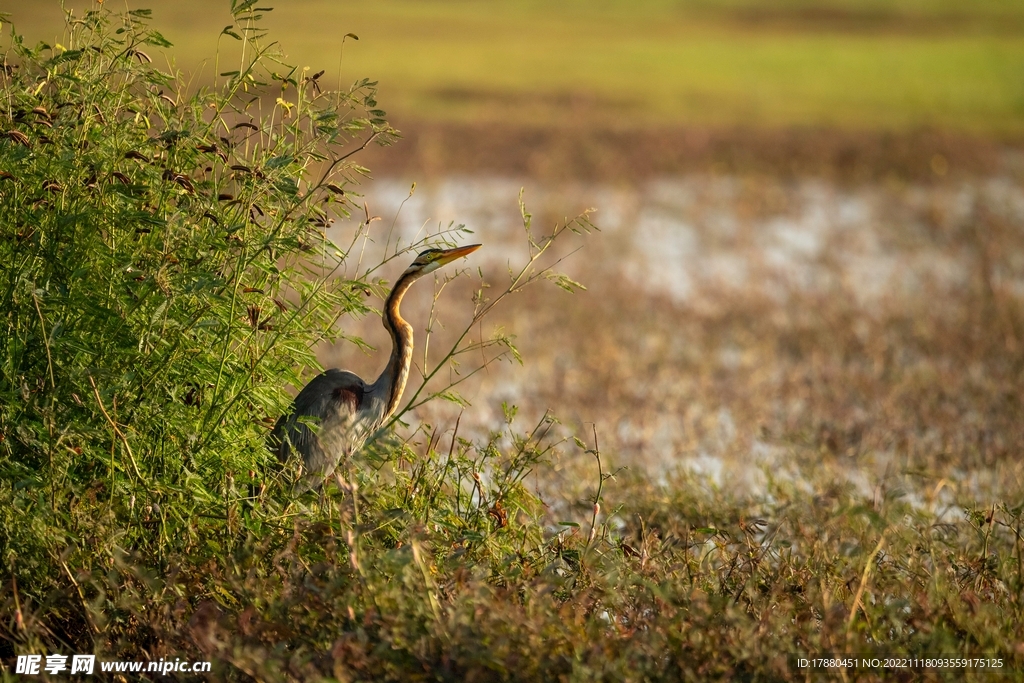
(335, 413)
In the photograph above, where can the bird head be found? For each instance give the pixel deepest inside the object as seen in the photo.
(432, 259)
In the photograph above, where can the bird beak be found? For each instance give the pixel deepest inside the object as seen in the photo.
(458, 252)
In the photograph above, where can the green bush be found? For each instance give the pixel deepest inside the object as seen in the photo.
(165, 274)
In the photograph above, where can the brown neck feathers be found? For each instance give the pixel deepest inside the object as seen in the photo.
(397, 370)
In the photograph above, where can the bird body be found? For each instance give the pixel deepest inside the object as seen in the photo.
(337, 411)
(332, 413)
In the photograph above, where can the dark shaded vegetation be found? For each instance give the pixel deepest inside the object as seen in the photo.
(628, 155)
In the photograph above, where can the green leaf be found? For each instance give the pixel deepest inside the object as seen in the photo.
(287, 186)
(279, 161)
(453, 397)
(565, 282)
(239, 6)
(155, 38)
(66, 56)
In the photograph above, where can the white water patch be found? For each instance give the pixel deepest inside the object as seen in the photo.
(680, 235)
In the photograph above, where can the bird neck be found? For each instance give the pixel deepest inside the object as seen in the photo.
(391, 382)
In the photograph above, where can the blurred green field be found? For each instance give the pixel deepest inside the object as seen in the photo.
(859, 64)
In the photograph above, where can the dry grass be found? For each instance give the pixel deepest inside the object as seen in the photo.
(886, 350)
(584, 152)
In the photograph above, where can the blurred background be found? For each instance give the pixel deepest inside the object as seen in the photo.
(810, 264)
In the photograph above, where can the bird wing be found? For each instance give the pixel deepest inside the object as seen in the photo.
(330, 401)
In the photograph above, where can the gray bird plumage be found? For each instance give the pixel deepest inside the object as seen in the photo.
(326, 409)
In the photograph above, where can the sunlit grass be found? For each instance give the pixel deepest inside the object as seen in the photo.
(852, 65)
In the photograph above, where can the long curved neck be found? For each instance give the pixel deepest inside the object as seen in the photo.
(391, 382)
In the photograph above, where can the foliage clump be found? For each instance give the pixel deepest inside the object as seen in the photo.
(166, 272)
